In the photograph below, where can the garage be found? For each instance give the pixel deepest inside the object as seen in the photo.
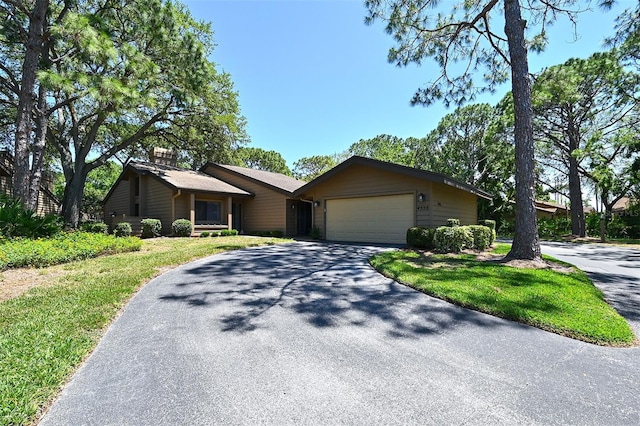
(381, 219)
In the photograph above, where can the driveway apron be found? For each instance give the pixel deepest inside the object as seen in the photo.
(308, 333)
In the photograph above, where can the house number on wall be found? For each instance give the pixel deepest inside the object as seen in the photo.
(422, 208)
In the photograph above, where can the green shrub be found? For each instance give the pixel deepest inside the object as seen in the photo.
(420, 237)
(315, 233)
(507, 228)
(554, 228)
(482, 236)
(181, 227)
(151, 228)
(452, 239)
(95, 227)
(228, 232)
(491, 224)
(204, 234)
(62, 248)
(453, 222)
(16, 221)
(122, 229)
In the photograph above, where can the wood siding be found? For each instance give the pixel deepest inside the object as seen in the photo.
(266, 211)
(452, 203)
(118, 202)
(155, 202)
(441, 202)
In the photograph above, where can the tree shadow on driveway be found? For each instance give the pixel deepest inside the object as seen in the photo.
(328, 285)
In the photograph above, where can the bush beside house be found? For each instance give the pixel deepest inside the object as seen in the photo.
(453, 238)
(181, 227)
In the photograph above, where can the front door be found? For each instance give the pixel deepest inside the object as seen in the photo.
(236, 212)
(303, 219)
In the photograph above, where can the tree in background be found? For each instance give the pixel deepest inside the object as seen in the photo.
(99, 182)
(384, 148)
(472, 33)
(260, 159)
(584, 111)
(119, 75)
(472, 144)
(309, 168)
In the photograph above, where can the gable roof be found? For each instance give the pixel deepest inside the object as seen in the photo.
(184, 179)
(394, 168)
(278, 181)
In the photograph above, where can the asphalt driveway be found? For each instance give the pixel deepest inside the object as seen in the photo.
(309, 333)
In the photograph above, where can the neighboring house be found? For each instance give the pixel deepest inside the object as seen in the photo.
(551, 210)
(360, 200)
(47, 202)
(367, 200)
(621, 207)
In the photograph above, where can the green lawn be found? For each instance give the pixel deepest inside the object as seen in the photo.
(48, 331)
(566, 303)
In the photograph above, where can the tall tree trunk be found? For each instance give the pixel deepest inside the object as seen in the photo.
(526, 243)
(72, 202)
(575, 198)
(37, 20)
(37, 159)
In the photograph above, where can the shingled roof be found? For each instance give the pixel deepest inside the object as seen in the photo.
(277, 181)
(187, 180)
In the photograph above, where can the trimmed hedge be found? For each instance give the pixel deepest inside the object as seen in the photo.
(482, 236)
(181, 227)
(122, 229)
(228, 232)
(452, 240)
(420, 237)
(151, 228)
(453, 222)
(449, 239)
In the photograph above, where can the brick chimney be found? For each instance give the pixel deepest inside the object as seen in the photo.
(163, 156)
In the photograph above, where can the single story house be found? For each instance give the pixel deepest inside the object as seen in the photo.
(214, 197)
(360, 200)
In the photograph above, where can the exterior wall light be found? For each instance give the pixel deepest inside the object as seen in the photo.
(421, 197)
(316, 203)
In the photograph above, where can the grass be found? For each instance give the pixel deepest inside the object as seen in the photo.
(565, 303)
(48, 331)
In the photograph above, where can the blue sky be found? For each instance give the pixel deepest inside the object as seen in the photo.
(313, 78)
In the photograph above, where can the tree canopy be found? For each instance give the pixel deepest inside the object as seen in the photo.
(469, 40)
(260, 159)
(121, 75)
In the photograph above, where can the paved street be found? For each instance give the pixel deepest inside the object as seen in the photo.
(308, 333)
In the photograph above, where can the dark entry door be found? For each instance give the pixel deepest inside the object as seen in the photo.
(236, 211)
(304, 218)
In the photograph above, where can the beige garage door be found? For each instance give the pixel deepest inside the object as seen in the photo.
(382, 219)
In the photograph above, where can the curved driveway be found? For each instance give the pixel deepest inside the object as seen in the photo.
(307, 333)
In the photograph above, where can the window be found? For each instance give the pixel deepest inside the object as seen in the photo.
(208, 212)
